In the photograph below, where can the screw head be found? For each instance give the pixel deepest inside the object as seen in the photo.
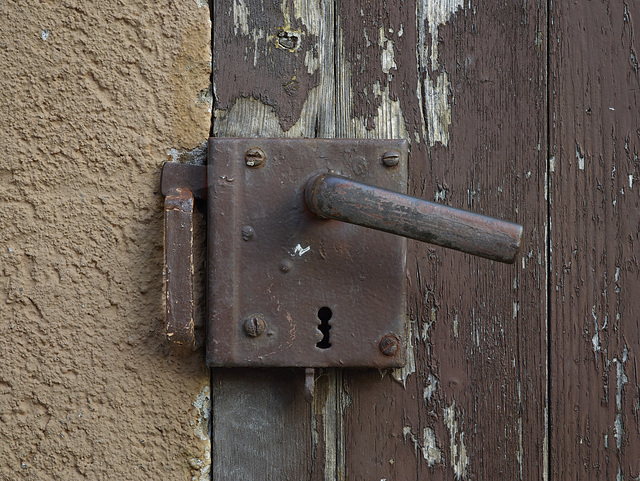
(254, 157)
(255, 325)
(389, 345)
(391, 158)
(286, 266)
(248, 232)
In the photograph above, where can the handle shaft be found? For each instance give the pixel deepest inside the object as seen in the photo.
(336, 197)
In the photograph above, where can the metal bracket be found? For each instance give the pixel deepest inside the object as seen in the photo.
(292, 280)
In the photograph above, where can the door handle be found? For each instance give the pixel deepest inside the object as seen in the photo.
(335, 197)
(287, 285)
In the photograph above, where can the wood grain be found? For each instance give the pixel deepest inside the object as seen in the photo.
(467, 87)
(263, 427)
(473, 404)
(595, 228)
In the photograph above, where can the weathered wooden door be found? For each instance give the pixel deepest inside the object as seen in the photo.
(526, 111)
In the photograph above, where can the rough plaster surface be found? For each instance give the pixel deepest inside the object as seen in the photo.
(93, 97)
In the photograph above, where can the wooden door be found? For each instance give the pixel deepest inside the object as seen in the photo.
(519, 110)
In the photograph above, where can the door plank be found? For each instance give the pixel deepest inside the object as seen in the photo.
(595, 228)
(274, 77)
(472, 404)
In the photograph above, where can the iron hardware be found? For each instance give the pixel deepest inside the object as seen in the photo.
(295, 276)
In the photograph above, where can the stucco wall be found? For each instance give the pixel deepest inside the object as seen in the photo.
(94, 97)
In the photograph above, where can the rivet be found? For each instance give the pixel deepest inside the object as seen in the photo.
(255, 325)
(391, 158)
(389, 345)
(248, 232)
(254, 157)
(285, 266)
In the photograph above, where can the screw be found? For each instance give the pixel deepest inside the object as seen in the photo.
(391, 158)
(248, 232)
(255, 325)
(389, 345)
(285, 266)
(254, 157)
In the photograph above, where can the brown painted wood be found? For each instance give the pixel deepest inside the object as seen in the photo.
(595, 228)
(471, 403)
(475, 406)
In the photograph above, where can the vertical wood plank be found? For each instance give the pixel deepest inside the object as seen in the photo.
(274, 77)
(472, 100)
(595, 229)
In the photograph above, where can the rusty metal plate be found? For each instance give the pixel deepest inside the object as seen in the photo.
(285, 287)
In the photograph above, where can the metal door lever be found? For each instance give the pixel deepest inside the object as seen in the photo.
(335, 197)
(288, 286)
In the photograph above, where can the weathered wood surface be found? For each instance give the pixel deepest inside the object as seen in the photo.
(472, 403)
(595, 227)
(470, 96)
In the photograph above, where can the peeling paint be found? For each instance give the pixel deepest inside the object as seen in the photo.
(240, 16)
(621, 381)
(459, 460)
(202, 429)
(387, 57)
(579, 157)
(430, 388)
(436, 108)
(401, 374)
(429, 448)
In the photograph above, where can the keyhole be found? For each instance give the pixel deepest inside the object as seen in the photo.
(324, 314)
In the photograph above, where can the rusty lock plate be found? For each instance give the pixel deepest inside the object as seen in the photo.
(286, 287)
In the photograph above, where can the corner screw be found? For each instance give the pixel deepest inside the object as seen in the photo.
(254, 157)
(255, 325)
(389, 345)
(391, 158)
(248, 232)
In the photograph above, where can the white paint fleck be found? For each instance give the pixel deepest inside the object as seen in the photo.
(455, 326)
(401, 374)
(595, 340)
(300, 251)
(622, 379)
(202, 430)
(430, 388)
(459, 460)
(240, 15)
(386, 57)
(631, 181)
(45, 34)
(516, 308)
(579, 157)
(552, 164)
(433, 13)
(429, 448)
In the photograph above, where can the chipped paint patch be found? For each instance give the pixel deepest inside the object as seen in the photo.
(202, 430)
(401, 374)
(430, 388)
(196, 156)
(621, 381)
(387, 58)
(458, 450)
(240, 16)
(434, 93)
(45, 34)
(579, 157)
(429, 448)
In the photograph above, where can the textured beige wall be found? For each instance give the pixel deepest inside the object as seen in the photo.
(93, 98)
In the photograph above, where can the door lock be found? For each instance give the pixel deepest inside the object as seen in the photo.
(306, 250)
